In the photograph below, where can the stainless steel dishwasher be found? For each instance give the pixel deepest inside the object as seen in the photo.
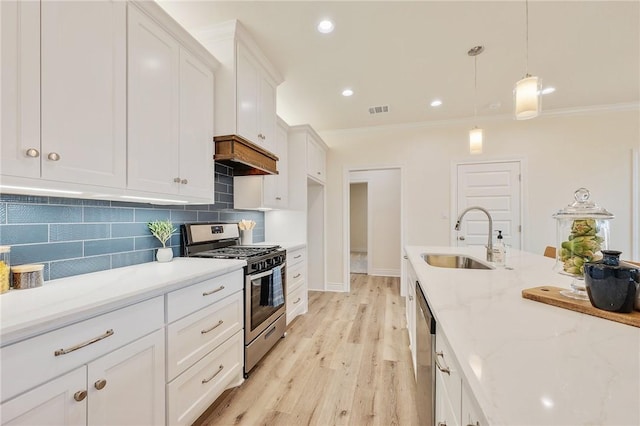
(425, 361)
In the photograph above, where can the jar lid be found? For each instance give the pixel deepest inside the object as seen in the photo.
(32, 267)
(5, 249)
(582, 207)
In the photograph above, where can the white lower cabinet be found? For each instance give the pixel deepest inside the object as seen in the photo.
(296, 284)
(455, 404)
(410, 286)
(205, 345)
(193, 391)
(73, 375)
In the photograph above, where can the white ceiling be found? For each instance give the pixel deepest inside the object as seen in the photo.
(405, 54)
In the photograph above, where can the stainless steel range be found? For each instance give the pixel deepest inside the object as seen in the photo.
(265, 284)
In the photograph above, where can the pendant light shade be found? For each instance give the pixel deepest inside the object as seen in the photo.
(526, 97)
(527, 92)
(475, 141)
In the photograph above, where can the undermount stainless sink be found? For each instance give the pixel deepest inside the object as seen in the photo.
(454, 261)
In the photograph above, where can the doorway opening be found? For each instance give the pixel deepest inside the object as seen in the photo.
(380, 190)
(359, 229)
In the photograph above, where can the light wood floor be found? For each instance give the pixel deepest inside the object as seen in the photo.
(346, 362)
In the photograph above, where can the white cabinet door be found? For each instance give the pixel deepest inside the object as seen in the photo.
(411, 312)
(20, 87)
(446, 413)
(316, 161)
(127, 385)
(471, 414)
(276, 187)
(196, 127)
(153, 127)
(84, 92)
(247, 74)
(267, 114)
(58, 402)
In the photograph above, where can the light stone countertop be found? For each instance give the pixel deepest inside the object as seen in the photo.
(287, 245)
(29, 312)
(528, 363)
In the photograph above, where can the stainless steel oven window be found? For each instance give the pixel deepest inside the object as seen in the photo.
(259, 313)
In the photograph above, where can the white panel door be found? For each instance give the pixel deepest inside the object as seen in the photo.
(127, 386)
(84, 92)
(247, 97)
(495, 187)
(20, 87)
(153, 132)
(196, 127)
(58, 402)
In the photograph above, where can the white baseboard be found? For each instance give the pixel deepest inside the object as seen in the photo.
(385, 272)
(336, 287)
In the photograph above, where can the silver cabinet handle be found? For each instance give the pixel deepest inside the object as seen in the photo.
(80, 395)
(184, 181)
(405, 257)
(207, 293)
(319, 173)
(296, 276)
(278, 198)
(33, 153)
(176, 179)
(214, 375)
(212, 328)
(445, 369)
(410, 298)
(442, 423)
(461, 237)
(297, 257)
(297, 301)
(100, 384)
(474, 424)
(82, 345)
(53, 156)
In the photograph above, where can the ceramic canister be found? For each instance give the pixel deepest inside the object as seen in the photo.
(612, 285)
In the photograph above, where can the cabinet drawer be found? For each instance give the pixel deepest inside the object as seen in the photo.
(181, 303)
(296, 256)
(295, 276)
(296, 302)
(197, 388)
(33, 361)
(195, 335)
(451, 381)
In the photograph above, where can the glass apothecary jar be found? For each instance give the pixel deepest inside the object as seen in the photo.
(582, 232)
(5, 269)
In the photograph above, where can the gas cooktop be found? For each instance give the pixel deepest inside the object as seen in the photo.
(237, 252)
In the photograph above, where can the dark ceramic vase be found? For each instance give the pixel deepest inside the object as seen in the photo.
(612, 285)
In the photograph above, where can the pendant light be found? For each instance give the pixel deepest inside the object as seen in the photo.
(475, 134)
(526, 93)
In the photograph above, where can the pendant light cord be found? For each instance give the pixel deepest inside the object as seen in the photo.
(526, 8)
(475, 87)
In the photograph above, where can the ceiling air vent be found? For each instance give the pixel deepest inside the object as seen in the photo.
(378, 109)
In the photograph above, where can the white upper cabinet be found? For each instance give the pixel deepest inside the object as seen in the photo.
(268, 191)
(170, 114)
(245, 86)
(316, 158)
(64, 95)
(154, 61)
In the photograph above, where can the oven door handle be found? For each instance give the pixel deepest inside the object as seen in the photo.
(264, 274)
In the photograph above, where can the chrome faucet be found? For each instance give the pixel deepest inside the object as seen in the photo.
(490, 240)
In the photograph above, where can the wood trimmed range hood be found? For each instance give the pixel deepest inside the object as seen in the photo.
(246, 158)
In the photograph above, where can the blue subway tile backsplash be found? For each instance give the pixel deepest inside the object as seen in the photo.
(74, 236)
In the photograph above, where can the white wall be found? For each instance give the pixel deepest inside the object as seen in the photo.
(561, 153)
(358, 217)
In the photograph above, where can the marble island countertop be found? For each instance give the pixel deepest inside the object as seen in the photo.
(528, 363)
(28, 312)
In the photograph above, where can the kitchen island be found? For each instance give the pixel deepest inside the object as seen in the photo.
(528, 363)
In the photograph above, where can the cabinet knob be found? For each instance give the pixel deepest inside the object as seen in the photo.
(278, 198)
(184, 181)
(442, 423)
(461, 237)
(100, 384)
(53, 156)
(319, 173)
(33, 153)
(176, 180)
(80, 395)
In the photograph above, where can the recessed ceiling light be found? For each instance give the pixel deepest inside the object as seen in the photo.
(347, 92)
(325, 26)
(436, 103)
(548, 90)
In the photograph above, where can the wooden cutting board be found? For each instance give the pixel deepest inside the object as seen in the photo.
(551, 296)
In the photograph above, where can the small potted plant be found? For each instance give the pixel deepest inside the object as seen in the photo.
(162, 230)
